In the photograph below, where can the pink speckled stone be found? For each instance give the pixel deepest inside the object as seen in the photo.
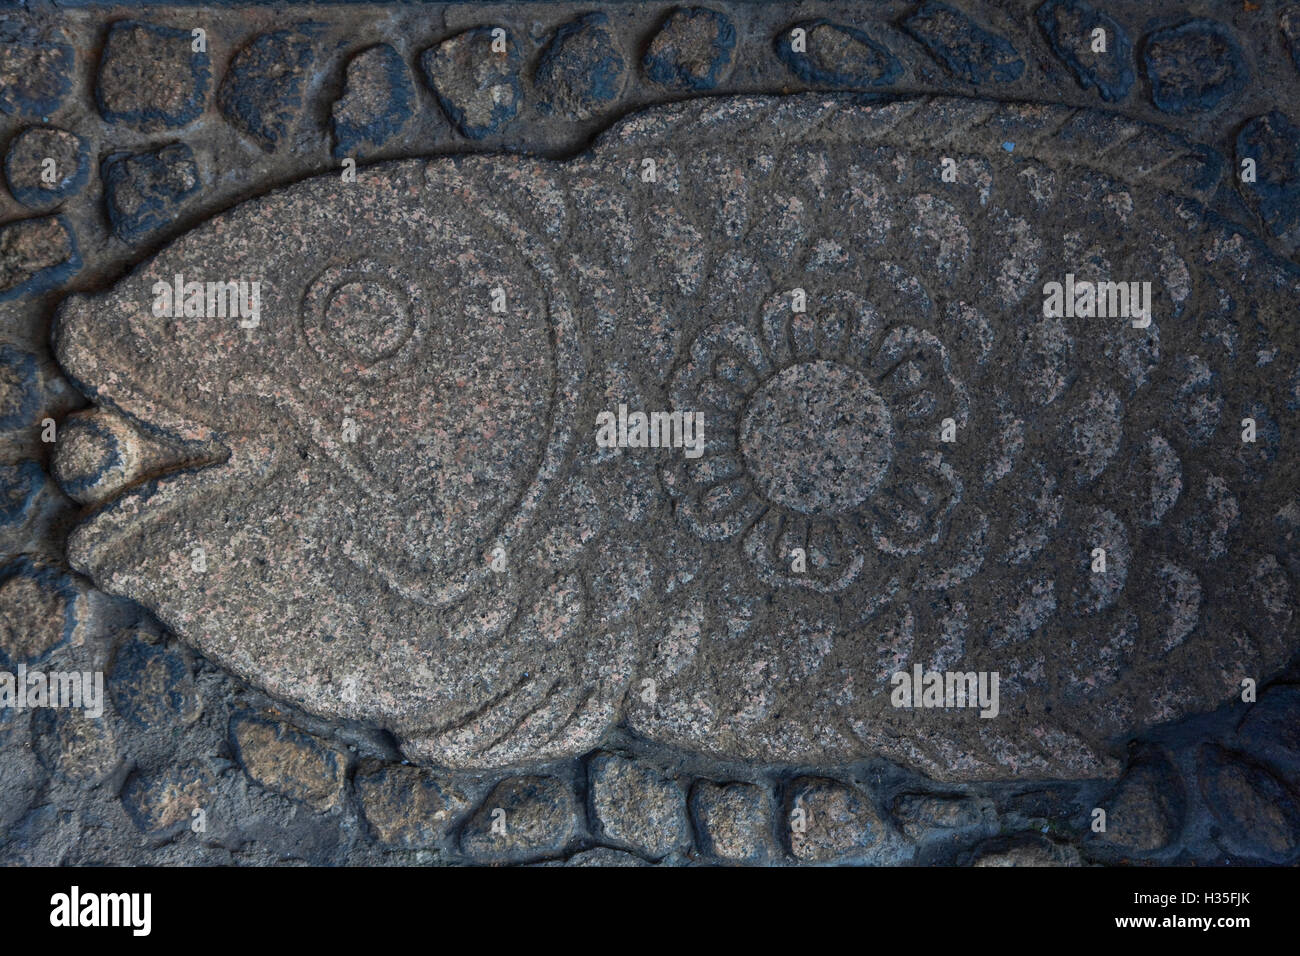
(388, 503)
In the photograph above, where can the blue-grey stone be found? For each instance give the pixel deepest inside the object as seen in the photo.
(19, 380)
(1274, 722)
(36, 255)
(1193, 67)
(20, 485)
(407, 807)
(582, 70)
(693, 50)
(965, 49)
(1273, 142)
(477, 87)
(152, 687)
(150, 76)
(378, 98)
(262, 92)
(1068, 26)
(1257, 812)
(837, 56)
(145, 192)
(287, 761)
(1257, 457)
(163, 803)
(540, 818)
(99, 456)
(25, 165)
(1289, 21)
(41, 611)
(36, 72)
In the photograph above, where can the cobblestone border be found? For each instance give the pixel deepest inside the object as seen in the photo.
(153, 150)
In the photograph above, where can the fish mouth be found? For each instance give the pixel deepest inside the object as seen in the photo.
(128, 478)
(104, 455)
(126, 454)
(101, 354)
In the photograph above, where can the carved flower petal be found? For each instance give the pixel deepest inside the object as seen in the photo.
(720, 512)
(915, 379)
(911, 514)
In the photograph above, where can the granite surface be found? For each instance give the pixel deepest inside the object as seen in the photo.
(362, 534)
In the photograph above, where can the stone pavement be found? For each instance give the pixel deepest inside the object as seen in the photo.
(634, 435)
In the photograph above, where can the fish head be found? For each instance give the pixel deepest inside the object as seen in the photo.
(338, 467)
(376, 343)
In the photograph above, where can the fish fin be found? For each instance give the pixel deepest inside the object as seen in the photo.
(1064, 135)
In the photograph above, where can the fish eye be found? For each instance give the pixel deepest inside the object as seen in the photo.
(364, 318)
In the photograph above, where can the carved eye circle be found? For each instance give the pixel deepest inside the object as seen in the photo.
(364, 318)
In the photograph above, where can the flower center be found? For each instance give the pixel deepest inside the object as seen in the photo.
(817, 438)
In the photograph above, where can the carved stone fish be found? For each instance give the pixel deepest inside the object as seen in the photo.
(389, 504)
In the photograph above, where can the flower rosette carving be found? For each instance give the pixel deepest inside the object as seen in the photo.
(822, 425)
